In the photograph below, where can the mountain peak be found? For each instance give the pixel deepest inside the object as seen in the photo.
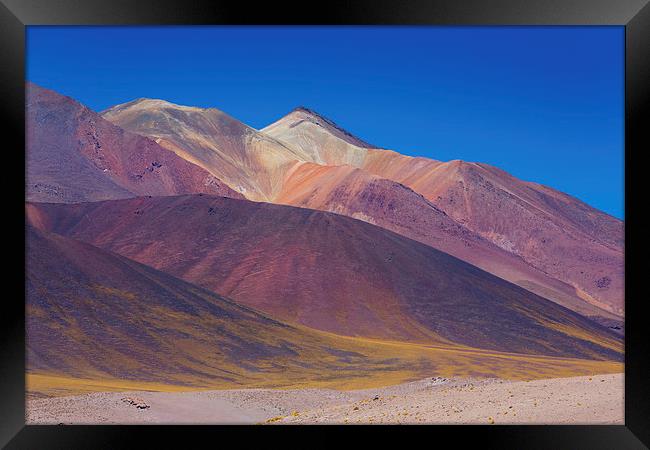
(305, 110)
(302, 114)
(148, 104)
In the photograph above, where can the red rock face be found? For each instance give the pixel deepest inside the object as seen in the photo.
(75, 155)
(320, 166)
(329, 272)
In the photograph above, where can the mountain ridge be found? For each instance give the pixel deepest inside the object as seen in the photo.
(291, 263)
(559, 237)
(248, 161)
(95, 319)
(73, 154)
(471, 192)
(315, 117)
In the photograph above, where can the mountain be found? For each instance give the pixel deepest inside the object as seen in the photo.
(314, 163)
(329, 272)
(550, 230)
(356, 193)
(96, 319)
(248, 161)
(326, 143)
(73, 155)
(553, 232)
(130, 321)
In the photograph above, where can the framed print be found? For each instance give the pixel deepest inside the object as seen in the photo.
(419, 214)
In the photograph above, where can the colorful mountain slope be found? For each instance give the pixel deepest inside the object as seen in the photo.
(248, 161)
(329, 272)
(74, 155)
(550, 230)
(99, 321)
(325, 143)
(573, 251)
(356, 193)
(553, 232)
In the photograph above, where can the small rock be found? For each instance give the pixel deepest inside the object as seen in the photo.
(135, 401)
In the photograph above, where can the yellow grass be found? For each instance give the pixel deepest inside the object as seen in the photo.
(56, 386)
(383, 363)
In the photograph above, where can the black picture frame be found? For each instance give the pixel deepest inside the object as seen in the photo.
(634, 15)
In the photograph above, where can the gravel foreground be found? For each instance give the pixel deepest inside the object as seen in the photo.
(597, 399)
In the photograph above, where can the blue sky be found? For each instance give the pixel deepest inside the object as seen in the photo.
(543, 103)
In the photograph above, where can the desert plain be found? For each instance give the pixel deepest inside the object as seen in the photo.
(595, 399)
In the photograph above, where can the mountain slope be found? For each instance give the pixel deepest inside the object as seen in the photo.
(574, 251)
(248, 161)
(553, 232)
(324, 143)
(313, 169)
(99, 321)
(92, 314)
(74, 155)
(131, 321)
(550, 230)
(393, 206)
(329, 272)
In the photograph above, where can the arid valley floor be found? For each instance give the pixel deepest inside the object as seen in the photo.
(594, 399)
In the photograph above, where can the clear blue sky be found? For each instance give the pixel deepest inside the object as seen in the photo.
(543, 103)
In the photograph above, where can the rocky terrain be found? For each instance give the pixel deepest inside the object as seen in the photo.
(597, 399)
(361, 195)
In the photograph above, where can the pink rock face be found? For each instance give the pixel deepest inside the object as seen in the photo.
(329, 272)
(75, 155)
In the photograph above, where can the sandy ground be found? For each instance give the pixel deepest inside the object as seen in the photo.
(598, 399)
